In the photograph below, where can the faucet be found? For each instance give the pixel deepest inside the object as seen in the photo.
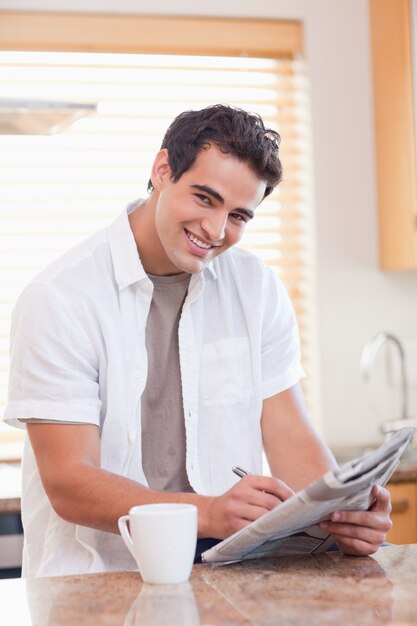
(368, 356)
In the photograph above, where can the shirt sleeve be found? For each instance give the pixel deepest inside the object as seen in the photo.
(281, 359)
(53, 368)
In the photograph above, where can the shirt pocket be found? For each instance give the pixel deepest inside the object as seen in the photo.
(226, 372)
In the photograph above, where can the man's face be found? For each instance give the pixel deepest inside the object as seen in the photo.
(205, 212)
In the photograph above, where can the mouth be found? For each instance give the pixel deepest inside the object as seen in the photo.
(198, 246)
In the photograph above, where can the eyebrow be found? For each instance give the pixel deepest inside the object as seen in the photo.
(219, 198)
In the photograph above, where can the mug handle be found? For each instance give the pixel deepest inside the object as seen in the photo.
(122, 523)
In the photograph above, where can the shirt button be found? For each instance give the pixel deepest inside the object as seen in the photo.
(136, 373)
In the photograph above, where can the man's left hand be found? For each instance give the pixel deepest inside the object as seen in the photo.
(361, 533)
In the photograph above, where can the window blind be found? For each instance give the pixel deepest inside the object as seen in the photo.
(57, 189)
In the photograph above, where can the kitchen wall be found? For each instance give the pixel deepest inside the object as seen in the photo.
(355, 299)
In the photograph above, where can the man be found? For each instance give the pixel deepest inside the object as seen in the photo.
(153, 357)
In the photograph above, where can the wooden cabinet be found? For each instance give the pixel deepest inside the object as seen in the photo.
(404, 512)
(395, 140)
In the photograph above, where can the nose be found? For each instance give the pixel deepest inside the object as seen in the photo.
(214, 225)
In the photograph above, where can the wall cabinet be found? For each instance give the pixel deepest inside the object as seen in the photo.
(392, 65)
(404, 512)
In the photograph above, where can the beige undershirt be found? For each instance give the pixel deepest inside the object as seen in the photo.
(163, 428)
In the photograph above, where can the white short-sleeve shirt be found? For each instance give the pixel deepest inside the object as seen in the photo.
(78, 354)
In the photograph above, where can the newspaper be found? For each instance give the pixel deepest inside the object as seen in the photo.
(292, 526)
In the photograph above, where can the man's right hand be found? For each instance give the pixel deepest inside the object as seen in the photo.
(249, 499)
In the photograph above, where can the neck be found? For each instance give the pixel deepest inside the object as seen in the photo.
(151, 251)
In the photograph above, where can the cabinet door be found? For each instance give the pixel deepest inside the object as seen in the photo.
(394, 133)
(404, 513)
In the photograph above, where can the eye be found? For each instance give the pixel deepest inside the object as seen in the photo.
(205, 199)
(239, 217)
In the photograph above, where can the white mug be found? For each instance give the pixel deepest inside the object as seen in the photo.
(162, 540)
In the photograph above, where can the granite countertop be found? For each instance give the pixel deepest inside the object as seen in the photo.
(406, 472)
(323, 590)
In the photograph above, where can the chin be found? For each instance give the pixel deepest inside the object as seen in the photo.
(192, 267)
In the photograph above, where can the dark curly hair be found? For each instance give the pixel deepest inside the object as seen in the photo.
(234, 131)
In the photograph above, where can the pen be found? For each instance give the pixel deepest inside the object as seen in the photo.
(239, 471)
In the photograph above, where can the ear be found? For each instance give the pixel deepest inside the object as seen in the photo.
(160, 169)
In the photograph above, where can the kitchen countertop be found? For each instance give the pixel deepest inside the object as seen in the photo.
(320, 590)
(406, 472)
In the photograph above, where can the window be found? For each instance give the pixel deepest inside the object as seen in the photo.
(57, 189)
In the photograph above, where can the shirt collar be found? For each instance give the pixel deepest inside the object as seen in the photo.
(128, 268)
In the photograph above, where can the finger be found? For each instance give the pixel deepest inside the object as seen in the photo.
(245, 494)
(355, 546)
(262, 499)
(252, 512)
(241, 523)
(368, 519)
(349, 531)
(271, 485)
(378, 513)
(240, 515)
(382, 500)
(381, 505)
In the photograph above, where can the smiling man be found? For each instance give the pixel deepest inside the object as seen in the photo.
(153, 357)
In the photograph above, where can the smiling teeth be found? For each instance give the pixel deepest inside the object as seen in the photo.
(198, 243)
